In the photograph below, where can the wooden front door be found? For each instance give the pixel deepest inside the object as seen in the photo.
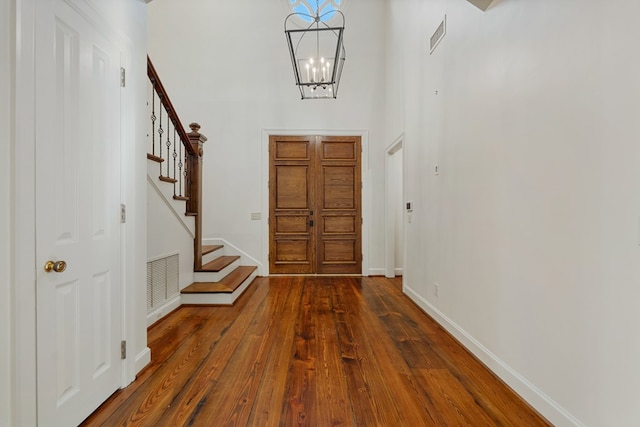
(315, 212)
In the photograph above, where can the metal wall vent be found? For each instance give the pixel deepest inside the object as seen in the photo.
(438, 34)
(162, 281)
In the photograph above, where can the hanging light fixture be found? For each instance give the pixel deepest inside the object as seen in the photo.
(317, 52)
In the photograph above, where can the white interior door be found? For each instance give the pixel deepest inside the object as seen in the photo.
(77, 213)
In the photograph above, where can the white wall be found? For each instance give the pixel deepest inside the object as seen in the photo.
(226, 66)
(167, 235)
(6, 66)
(531, 229)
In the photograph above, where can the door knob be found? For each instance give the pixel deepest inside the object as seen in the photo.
(57, 266)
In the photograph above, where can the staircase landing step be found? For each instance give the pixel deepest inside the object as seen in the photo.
(207, 249)
(218, 264)
(227, 285)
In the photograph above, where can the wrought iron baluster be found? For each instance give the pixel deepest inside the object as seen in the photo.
(175, 154)
(168, 143)
(160, 132)
(153, 119)
(180, 164)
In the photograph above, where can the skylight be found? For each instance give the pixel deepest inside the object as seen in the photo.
(307, 8)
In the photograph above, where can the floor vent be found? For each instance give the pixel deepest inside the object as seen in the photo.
(438, 34)
(162, 281)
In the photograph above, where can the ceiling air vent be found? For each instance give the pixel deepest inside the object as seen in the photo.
(438, 34)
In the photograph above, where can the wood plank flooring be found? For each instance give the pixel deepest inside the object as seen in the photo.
(312, 351)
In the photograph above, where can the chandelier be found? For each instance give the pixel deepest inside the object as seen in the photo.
(317, 52)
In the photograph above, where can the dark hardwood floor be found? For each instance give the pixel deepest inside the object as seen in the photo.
(308, 351)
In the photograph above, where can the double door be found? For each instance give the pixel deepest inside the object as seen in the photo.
(315, 205)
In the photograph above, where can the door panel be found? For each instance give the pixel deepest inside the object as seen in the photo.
(339, 189)
(77, 214)
(315, 205)
(291, 195)
(292, 187)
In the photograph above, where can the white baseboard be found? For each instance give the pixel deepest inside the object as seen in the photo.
(551, 410)
(163, 310)
(376, 272)
(142, 359)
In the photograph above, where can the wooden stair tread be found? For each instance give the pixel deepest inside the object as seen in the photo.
(228, 284)
(207, 249)
(167, 179)
(180, 198)
(155, 158)
(218, 264)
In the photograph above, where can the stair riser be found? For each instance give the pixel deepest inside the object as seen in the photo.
(218, 299)
(200, 276)
(212, 255)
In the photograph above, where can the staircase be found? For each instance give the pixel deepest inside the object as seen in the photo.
(219, 276)
(221, 280)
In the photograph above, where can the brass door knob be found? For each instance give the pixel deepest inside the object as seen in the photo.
(57, 266)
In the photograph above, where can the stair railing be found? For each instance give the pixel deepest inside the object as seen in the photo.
(178, 154)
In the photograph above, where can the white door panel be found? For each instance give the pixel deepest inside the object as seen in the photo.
(77, 214)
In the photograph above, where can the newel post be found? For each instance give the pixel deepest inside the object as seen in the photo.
(194, 205)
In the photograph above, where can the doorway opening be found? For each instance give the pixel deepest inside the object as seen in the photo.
(394, 209)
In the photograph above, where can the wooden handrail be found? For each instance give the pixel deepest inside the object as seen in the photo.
(185, 176)
(168, 106)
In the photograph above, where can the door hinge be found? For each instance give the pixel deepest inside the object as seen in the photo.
(123, 349)
(123, 213)
(361, 221)
(123, 77)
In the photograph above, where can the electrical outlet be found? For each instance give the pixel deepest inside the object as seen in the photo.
(436, 289)
(256, 216)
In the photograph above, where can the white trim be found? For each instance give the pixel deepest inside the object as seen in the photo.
(234, 250)
(142, 359)
(162, 311)
(366, 190)
(24, 261)
(389, 223)
(550, 409)
(167, 255)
